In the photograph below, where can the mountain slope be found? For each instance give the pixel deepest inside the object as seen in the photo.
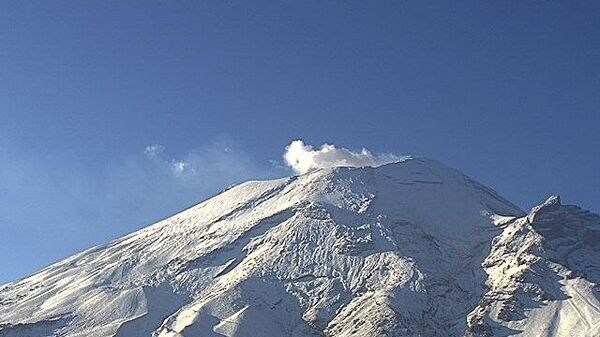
(544, 271)
(407, 249)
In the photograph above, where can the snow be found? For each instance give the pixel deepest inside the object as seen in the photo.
(404, 249)
(542, 272)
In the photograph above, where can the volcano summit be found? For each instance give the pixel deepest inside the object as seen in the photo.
(412, 248)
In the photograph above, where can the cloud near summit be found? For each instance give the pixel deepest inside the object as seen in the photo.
(304, 158)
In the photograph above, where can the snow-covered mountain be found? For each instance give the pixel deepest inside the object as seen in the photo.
(407, 249)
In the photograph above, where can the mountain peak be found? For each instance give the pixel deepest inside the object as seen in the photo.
(394, 250)
(552, 203)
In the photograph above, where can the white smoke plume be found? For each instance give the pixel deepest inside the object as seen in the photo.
(303, 158)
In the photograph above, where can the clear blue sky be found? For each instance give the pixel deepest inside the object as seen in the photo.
(507, 92)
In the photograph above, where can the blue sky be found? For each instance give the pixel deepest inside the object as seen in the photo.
(100, 102)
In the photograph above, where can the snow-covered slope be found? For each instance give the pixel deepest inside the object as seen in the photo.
(544, 272)
(407, 249)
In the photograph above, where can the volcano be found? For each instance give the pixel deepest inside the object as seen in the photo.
(412, 248)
